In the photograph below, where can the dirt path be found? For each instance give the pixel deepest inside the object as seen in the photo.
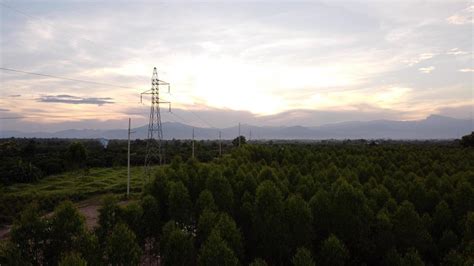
(88, 208)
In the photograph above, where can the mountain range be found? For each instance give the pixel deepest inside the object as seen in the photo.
(433, 127)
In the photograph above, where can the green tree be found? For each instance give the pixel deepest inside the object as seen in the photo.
(333, 252)
(258, 262)
(179, 203)
(10, 254)
(29, 235)
(122, 247)
(442, 218)
(72, 259)
(303, 258)
(221, 191)
(67, 230)
(205, 201)
(268, 221)
(412, 258)
(468, 140)
(151, 217)
(76, 155)
(178, 248)
(109, 216)
(452, 259)
(298, 219)
(215, 251)
(230, 233)
(207, 221)
(320, 209)
(236, 141)
(408, 227)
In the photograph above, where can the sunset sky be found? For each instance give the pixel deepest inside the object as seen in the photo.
(264, 63)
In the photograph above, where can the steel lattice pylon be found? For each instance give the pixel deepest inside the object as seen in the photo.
(154, 151)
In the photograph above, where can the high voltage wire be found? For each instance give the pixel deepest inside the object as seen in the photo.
(209, 124)
(42, 20)
(72, 79)
(61, 116)
(64, 78)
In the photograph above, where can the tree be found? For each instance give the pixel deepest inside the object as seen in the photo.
(412, 258)
(221, 191)
(442, 218)
(151, 217)
(333, 252)
(303, 258)
(215, 251)
(468, 140)
(76, 155)
(72, 259)
(29, 235)
(176, 245)
(268, 221)
(122, 247)
(448, 241)
(452, 259)
(320, 209)
(205, 201)
(236, 142)
(408, 228)
(230, 234)
(258, 262)
(109, 216)
(67, 229)
(10, 254)
(207, 221)
(179, 203)
(298, 219)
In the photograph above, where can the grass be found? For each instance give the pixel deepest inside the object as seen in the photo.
(75, 186)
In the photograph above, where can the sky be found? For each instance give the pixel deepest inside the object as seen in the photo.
(277, 63)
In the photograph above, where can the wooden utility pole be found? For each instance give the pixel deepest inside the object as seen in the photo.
(239, 134)
(128, 157)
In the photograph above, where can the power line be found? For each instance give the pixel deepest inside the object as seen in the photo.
(42, 20)
(62, 116)
(209, 124)
(64, 78)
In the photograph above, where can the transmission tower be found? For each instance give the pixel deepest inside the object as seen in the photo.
(154, 152)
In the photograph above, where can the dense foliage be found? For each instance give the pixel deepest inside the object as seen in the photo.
(27, 160)
(292, 204)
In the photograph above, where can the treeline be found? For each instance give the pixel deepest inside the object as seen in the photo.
(27, 160)
(278, 205)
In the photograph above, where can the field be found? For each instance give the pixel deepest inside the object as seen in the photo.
(74, 185)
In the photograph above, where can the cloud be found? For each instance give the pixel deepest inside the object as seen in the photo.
(426, 70)
(420, 58)
(466, 70)
(4, 110)
(70, 99)
(463, 17)
(456, 51)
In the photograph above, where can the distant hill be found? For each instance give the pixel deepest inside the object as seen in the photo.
(433, 127)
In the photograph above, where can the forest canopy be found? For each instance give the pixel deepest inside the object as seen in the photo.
(278, 204)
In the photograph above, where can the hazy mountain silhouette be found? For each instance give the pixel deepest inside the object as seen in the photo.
(433, 127)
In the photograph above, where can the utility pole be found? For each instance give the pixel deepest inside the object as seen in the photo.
(239, 134)
(128, 156)
(220, 145)
(193, 144)
(155, 131)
